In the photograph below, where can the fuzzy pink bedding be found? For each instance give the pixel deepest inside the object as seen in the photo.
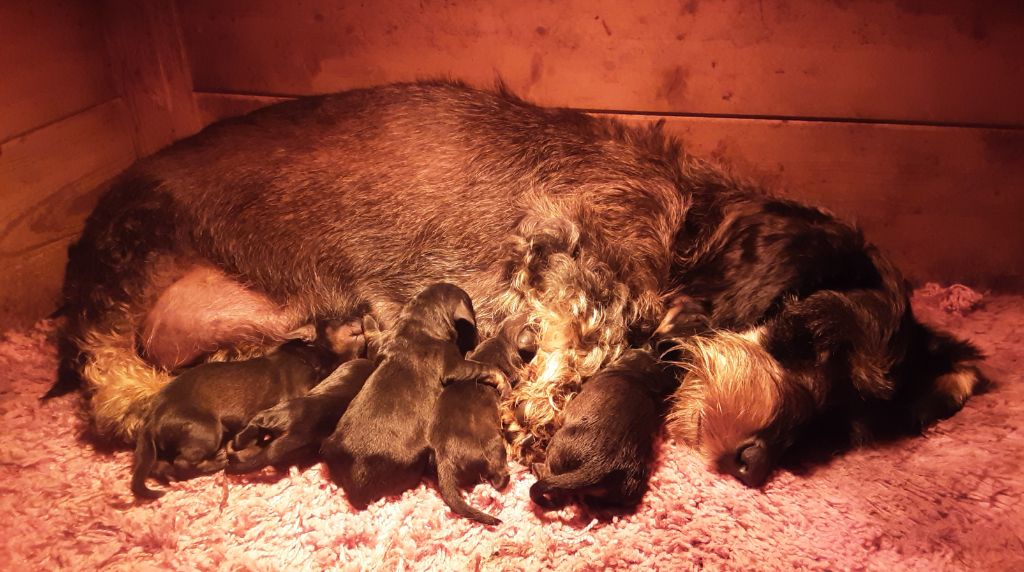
(950, 500)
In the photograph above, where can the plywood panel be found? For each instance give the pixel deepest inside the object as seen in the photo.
(52, 63)
(945, 61)
(151, 71)
(216, 106)
(49, 178)
(31, 288)
(946, 203)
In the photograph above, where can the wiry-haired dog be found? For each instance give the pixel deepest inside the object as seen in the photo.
(786, 318)
(310, 208)
(604, 445)
(380, 444)
(194, 415)
(465, 434)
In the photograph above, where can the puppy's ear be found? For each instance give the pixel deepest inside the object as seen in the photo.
(370, 325)
(464, 311)
(372, 335)
(464, 320)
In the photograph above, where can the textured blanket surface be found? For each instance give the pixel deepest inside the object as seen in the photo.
(949, 500)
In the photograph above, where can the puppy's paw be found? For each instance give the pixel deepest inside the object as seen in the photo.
(500, 479)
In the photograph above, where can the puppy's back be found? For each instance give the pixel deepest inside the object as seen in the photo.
(380, 445)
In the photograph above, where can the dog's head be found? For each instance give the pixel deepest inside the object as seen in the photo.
(855, 361)
(446, 311)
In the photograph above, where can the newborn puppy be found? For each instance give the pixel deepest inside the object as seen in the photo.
(605, 443)
(292, 430)
(380, 444)
(193, 415)
(465, 435)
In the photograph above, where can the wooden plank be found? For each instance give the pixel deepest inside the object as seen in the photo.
(52, 63)
(942, 61)
(217, 106)
(944, 203)
(151, 71)
(49, 178)
(32, 283)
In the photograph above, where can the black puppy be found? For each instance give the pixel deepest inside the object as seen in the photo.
(292, 430)
(380, 444)
(605, 442)
(465, 435)
(193, 415)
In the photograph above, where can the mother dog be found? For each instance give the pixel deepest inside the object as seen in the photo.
(347, 204)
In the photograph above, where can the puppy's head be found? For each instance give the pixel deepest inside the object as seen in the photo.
(447, 311)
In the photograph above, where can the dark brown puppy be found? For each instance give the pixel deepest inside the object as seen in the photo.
(465, 435)
(291, 431)
(380, 444)
(605, 443)
(195, 413)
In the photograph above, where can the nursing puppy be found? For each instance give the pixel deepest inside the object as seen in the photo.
(291, 431)
(380, 444)
(465, 435)
(194, 414)
(604, 445)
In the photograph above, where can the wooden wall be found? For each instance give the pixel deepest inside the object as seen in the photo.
(86, 88)
(904, 115)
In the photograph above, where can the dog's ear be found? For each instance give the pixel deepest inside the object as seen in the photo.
(464, 311)
(370, 325)
(464, 320)
(527, 342)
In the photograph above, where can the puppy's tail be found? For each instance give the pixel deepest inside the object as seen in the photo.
(543, 492)
(448, 485)
(145, 458)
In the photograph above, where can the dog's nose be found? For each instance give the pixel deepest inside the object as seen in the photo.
(750, 464)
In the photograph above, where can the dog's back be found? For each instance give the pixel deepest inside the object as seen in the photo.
(379, 446)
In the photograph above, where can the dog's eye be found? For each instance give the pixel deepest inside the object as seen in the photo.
(266, 437)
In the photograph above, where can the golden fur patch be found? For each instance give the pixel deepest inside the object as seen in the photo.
(959, 384)
(732, 389)
(121, 385)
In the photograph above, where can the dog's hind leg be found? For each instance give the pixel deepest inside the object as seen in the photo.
(942, 373)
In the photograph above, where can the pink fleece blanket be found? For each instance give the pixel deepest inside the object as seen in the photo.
(949, 500)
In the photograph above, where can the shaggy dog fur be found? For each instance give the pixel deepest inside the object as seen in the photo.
(585, 224)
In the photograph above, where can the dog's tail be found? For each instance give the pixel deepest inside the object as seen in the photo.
(448, 485)
(546, 487)
(145, 458)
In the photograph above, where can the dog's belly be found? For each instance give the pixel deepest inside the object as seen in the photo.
(205, 310)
